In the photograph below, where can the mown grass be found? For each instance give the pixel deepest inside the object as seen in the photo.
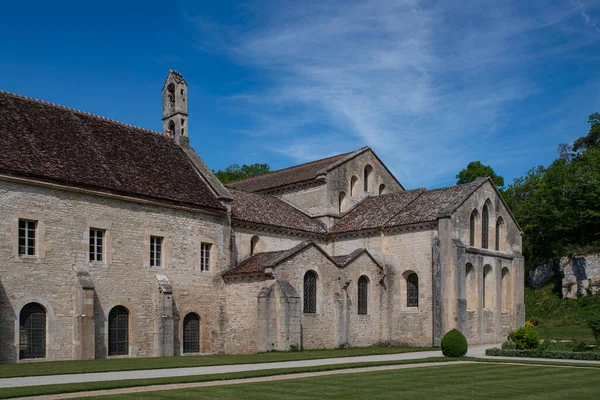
(130, 364)
(447, 382)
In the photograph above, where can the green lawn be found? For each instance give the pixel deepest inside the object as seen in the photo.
(570, 332)
(128, 364)
(448, 382)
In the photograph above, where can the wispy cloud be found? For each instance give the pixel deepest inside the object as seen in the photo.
(429, 85)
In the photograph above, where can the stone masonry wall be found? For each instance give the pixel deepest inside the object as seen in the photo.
(581, 275)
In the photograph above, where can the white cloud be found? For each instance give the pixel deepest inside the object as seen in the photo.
(426, 84)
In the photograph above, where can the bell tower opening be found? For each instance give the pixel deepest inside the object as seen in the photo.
(175, 112)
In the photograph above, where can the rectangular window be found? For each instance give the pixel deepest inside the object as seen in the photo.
(97, 245)
(27, 237)
(205, 256)
(156, 243)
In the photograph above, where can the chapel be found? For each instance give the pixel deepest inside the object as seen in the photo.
(117, 241)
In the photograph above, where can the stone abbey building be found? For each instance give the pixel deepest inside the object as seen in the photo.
(117, 241)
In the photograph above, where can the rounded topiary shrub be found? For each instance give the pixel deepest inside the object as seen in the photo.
(454, 344)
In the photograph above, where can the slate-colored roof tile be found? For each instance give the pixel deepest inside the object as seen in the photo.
(263, 209)
(56, 144)
(288, 176)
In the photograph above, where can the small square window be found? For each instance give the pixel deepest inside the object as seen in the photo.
(205, 256)
(97, 244)
(156, 244)
(27, 231)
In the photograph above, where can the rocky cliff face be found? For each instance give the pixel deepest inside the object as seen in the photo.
(580, 275)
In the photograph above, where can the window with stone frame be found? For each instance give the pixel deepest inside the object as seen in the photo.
(27, 237)
(499, 233)
(412, 290)
(310, 292)
(205, 256)
(485, 227)
(118, 331)
(156, 247)
(96, 248)
(363, 295)
(472, 228)
(32, 332)
(191, 333)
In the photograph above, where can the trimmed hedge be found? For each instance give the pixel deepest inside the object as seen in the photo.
(454, 344)
(557, 355)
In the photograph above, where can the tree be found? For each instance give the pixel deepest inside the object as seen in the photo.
(475, 170)
(592, 139)
(236, 173)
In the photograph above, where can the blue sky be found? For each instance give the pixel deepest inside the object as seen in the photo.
(428, 85)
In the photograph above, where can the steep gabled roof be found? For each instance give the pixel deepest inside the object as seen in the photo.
(51, 143)
(293, 175)
(257, 264)
(404, 208)
(269, 210)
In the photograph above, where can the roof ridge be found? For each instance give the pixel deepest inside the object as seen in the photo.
(293, 166)
(419, 192)
(86, 113)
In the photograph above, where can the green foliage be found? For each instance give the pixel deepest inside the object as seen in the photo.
(592, 139)
(294, 347)
(477, 170)
(236, 173)
(509, 345)
(525, 338)
(558, 355)
(592, 321)
(454, 344)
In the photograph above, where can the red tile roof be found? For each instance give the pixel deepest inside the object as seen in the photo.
(269, 210)
(288, 176)
(56, 144)
(254, 265)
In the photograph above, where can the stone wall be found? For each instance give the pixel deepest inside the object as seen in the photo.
(581, 275)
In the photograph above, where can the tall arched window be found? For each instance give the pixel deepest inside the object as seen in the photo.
(354, 186)
(191, 333)
(363, 295)
(253, 244)
(471, 287)
(381, 189)
(488, 287)
(506, 290)
(310, 292)
(472, 228)
(485, 227)
(412, 290)
(342, 202)
(32, 331)
(499, 234)
(118, 331)
(367, 177)
(172, 128)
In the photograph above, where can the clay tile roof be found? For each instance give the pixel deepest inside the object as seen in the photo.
(288, 176)
(404, 208)
(254, 265)
(56, 144)
(263, 209)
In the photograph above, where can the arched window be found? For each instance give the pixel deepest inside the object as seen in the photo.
(472, 228)
(471, 287)
(310, 292)
(367, 176)
(412, 290)
(172, 128)
(488, 287)
(485, 227)
(506, 290)
(118, 331)
(253, 244)
(363, 295)
(381, 189)
(342, 202)
(191, 333)
(32, 331)
(354, 186)
(171, 89)
(499, 234)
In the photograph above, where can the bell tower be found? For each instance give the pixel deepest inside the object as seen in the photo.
(175, 108)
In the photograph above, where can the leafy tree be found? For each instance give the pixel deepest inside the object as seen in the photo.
(475, 170)
(592, 139)
(236, 173)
